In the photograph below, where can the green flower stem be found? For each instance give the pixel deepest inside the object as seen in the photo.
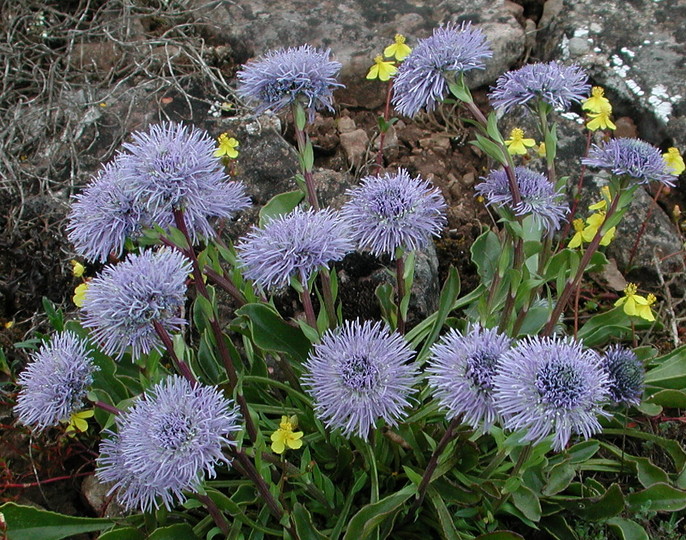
(327, 294)
(216, 514)
(400, 279)
(303, 139)
(523, 456)
(288, 469)
(367, 449)
(545, 132)
(307, 304)
(494, 464)
(382, 135)
(433, 462)
(216, 330)
(181, 366)
(573, 283)
(107, 407)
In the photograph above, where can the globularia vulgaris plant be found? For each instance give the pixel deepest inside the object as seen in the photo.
(480, 418)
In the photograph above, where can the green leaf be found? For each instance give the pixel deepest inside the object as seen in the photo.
(485, 252)
(526, 501)
(658, 497)
(280, 204)
(445, 517)
(492, 127)
(490, 148)
(500, 535)
(299, 116)
(460, 90)
(627, 529)
(126, 533)
(558, 528)
(308, 156)
(29, 523)
(368, 519)
(303, 524)
(672, 399)
(551, 144)
(673, 448)
(611, 325)
(559, 477)
(271, 333)
(55, 316)
(179, 531)
(449, 293)
(671, 371)
(607, 506)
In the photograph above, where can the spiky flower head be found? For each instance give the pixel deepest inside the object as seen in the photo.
(293, 245)
(421, 81)
(552, 83)
(106, 214)
(166, 443)
(632, 158)
(626, 375)
(358, 374)
(173, 167)
(538, 196)
(55, 382)
(124, 301)
(461, 370)
(394, 211)
(551, 385)
(284, 76)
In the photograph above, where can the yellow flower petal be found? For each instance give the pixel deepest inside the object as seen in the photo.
(80, 294)
(77, 268)
(398, 49)
(674, 161)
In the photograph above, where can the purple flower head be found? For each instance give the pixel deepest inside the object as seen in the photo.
(626, 374)
(461, 372)
(359, 373)
(293, 245)
(106, 214)
(553, 83)
(538, 196)
(551, 385)
(55, 382)
(631, 157)
(172, 167)
(124, 301)
(394, 211)
(166, 443)
(284, 76)
(421, 79)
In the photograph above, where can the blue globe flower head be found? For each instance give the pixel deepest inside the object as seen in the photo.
(358, 374)
(394, 211)
(553, 83)
(538, 196)
(55, 382)
(631, 158)
(284, 76)
(106, 214)
(461, 370)
(124, 301)
(626, 375)
(173, 167)
(167, 443)
(551, 386)
(421, 79)
(293, 245)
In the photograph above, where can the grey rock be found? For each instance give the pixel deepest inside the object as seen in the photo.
(96, 495)
(356, 31)
(355, 144)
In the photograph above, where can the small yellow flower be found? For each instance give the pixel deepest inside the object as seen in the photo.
(103, 104)
(227, 146)
(8, 324)
(602, 203)
(284, 437)
(226, 106)
(381, 70)
(644, 311)
(77, 268)
(593, 223)
(398, 49)
(601, 119)
(540, 150)
(78, 422)
(517, 144)
(597, 102)
(674, 161)
(631, 301)
(578, 237)
(80, 294)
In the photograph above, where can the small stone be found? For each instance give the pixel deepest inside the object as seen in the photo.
(579, 46)
(346, 124)
(354, 144)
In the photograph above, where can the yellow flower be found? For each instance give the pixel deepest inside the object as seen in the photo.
(8, 324)
(601, 119)
(80, 294)
(644, 311)
(77, 268)
(674, 161)
(632, 301)
(593, 223)
(602, 203)
(78, 422)
(540, 150)
(597, 102)
(517, 144)
(578, 237)
(227, 146)
(284, 437)
(398, 49)
(381, 70)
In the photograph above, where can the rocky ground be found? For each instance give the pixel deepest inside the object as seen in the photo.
(81, 75)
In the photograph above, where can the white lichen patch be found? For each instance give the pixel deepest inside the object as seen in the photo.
(573, 117)
(618, 66)
(634, 87)
(628, 52)
(662, 102)
(596, 28)
(581, 32)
